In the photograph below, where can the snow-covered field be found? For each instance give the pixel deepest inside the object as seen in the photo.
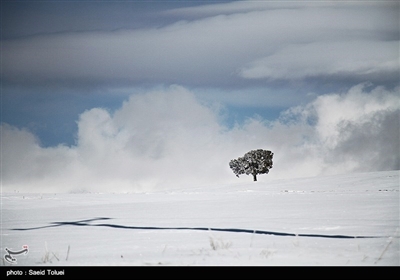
(305, 221)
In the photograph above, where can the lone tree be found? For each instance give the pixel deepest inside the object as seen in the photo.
(254, 162)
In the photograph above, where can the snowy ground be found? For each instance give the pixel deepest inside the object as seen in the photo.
(281, 222)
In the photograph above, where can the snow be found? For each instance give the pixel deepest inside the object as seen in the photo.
(212, 225)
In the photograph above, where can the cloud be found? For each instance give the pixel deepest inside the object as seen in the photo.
(155, 139)
(357, 130)
(244, 43)
(168, 139)
(368, 135)
(362, 60)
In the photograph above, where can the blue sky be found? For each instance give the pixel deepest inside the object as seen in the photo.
(270, 62)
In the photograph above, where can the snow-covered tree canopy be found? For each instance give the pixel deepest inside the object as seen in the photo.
(254, 162)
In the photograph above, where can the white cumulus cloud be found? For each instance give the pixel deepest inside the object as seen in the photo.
(168, 139)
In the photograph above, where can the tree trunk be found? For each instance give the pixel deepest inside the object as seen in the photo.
(255, 177)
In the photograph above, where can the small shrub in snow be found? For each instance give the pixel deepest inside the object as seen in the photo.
(219, 244)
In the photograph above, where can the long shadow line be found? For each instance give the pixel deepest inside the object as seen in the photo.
(86, 223)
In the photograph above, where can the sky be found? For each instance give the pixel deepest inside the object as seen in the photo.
(137, 95)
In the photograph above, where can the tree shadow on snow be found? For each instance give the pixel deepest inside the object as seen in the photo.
(88, 223)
